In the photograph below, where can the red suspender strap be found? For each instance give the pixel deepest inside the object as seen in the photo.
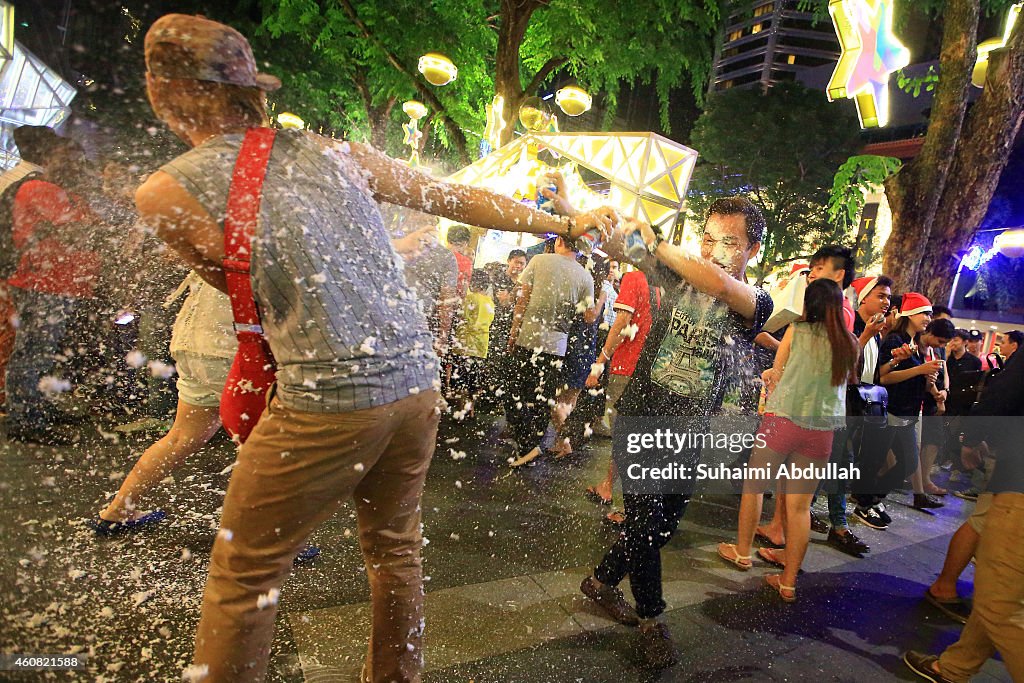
(243, 211)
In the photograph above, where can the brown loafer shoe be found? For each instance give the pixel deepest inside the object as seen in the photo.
(610, 599)
(656, 646)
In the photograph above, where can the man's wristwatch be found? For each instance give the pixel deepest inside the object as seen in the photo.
(653, 246)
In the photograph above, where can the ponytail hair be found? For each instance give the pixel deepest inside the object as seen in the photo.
(823, 303)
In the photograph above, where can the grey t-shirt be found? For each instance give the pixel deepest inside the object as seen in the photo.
(562, 289)
(343, 325)
(427, 272)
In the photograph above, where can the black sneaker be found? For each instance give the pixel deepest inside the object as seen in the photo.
(922, 665)
(818, 525)
(847, 543)
(924, 501)
(870, 517)
(956, 609)
(880, 509)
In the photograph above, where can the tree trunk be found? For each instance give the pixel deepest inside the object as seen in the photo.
(379, 118)
(914, 193)
(514, 20)
(989, 133)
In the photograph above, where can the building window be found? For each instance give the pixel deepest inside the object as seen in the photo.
(791, 59)
(756, 28)
(736, 35)
(764, 9)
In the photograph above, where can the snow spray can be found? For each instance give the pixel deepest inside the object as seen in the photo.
(544, 203)
(636, 248)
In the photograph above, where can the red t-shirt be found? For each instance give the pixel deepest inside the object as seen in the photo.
(53, 261)
(465, 265)
(635, 298)
(848, 314)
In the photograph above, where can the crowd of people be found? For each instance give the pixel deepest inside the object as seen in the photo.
(378, 331)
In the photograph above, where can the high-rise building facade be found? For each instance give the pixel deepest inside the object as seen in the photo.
(768, 41)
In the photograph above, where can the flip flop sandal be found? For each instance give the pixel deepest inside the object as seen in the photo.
(771, 557)
(594, 496)
(103, 527)
(774, 581)
(764, 540)
(741, 562)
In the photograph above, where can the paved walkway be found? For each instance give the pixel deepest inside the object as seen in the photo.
(505, 557)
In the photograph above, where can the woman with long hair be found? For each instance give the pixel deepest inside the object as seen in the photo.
(805, 404)
(906, 381)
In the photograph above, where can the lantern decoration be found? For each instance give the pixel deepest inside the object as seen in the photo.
(495, 125)
(535, 114)
(986, 47)
(289, 120)
(648, 173)
(437, 69)
(573, 101)
(415, 111)
(1010, 243)
(870, 53)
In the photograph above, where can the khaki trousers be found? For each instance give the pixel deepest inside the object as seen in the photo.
(292, 474)
(997, 619)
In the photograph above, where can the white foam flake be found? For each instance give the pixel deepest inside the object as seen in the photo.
(268, 599)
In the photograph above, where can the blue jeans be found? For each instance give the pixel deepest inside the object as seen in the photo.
(39, 341)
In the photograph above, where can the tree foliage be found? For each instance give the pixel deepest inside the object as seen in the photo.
(939, 198)
(353, 61)
(782, 149)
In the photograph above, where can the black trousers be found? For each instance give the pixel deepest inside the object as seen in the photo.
(871, 457)
(651, 520)
(534, 381)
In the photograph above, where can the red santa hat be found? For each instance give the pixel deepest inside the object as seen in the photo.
(863, 287)
(914, 303)
(798, 267)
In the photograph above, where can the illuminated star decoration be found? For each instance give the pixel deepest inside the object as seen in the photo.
(870, 53)
(412, 138)
(988, 46)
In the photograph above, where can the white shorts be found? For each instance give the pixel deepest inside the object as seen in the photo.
(201, 378)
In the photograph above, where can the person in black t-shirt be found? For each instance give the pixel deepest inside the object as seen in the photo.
(701, 335)
(906, 381)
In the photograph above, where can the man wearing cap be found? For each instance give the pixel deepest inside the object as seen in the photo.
(975, 342)
(354, 412)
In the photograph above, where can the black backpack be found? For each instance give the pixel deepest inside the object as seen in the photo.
(9, 256)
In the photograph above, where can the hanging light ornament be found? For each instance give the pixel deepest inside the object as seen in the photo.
(289, 120)
(438, 69)
(573, 101)
(415, 111)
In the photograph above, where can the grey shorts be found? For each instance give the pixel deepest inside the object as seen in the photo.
(201, 378)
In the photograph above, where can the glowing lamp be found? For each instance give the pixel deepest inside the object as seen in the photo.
(414, 110)
(1010, 243)
(289, 120)
(534, 114)
(986, 47)
(573, 101)
(438, 69)
(870, 53)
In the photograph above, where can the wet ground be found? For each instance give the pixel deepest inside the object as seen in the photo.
(505, 557)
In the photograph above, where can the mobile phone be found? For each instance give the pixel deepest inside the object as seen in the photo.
(877, 318)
